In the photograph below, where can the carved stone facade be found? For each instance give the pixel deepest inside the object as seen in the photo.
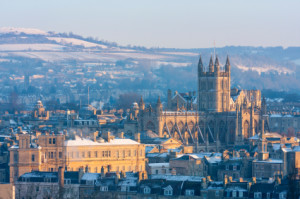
(224, 117)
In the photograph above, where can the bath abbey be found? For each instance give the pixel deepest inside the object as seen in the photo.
(214, 118)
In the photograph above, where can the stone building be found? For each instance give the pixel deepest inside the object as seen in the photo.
(222, 118)
(50, 152)
(265, 167)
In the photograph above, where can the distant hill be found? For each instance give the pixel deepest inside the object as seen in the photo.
(274, 68)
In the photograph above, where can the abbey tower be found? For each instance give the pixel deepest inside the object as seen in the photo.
(214, 87)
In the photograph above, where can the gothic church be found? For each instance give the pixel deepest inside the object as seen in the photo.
(215, 118)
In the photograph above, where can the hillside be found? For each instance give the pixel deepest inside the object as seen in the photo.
(252, 67)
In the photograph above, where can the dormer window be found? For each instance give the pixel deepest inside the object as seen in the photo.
(282, 195)
(189, 192)
(234, 194)
(257, 195)
(168, 191)
(104, 188)
(67, 181)
(125, 188)
(147, 190)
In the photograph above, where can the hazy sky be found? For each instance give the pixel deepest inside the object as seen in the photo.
(163, 23)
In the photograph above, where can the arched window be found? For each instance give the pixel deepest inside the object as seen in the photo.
(231, 132)
(150, 126)
(222, 133)
(246, 129)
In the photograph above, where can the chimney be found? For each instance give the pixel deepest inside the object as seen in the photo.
(208, 178)
(102, 172)
(61, 177)
(230, 178)
(278, 180)
(123, 174)
(117, 177)
(145, 175)
(106, 136)
(140, 176)
(254, 180)
(95, 134)
(121, 135)
(80, 174)
(225, 181)
(137, 137)
(203, 183)
(241, 180)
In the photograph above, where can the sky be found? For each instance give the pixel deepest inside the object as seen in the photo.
(163, 23)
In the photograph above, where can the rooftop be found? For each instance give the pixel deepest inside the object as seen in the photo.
(86, 142)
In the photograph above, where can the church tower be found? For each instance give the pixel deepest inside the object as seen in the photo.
(214, 86)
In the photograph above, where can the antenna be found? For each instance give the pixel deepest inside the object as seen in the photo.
(214, 50)
(88, 95)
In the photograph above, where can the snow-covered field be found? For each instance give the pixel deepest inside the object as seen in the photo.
(30, 31)
(175, 64)
(260, 69)
(29, 47)
(74, 41)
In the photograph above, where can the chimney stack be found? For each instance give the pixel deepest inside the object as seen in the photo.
(137, 137)
(61, 177)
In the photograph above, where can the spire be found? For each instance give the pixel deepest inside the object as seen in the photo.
(158, 105)
(211, 65)
(217, 64)
(141, 103)
(141, 100)
(177, 105)
(158, 101)
(200, 65)
(227, 65)
(264, 106)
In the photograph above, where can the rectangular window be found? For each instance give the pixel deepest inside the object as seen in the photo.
(16, 157)
(96, 154)
(234, 194)
(51, 155)
(123, 153)
(32, 158)
(129, 153)
(141, 153)
(117, 154)
(50, 141)
(240, 194)
(134, 152)
(77, 154)
(89, 154)
(108, 153)
(83, 154)
(53, 141)
(60, 154)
